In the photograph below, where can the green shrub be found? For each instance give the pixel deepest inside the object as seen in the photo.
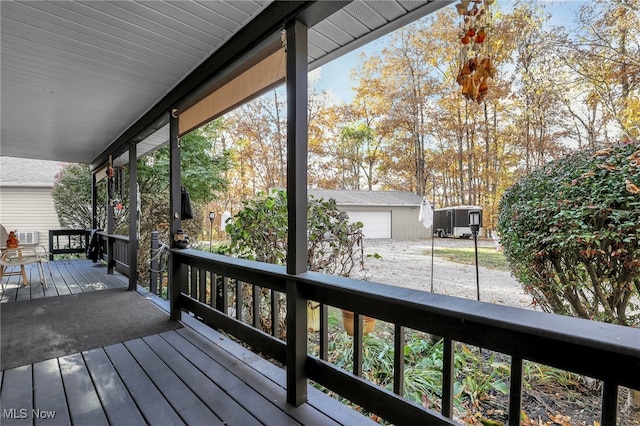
(259, 232)
(571, 233)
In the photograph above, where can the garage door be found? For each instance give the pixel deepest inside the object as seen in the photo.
(376, 224)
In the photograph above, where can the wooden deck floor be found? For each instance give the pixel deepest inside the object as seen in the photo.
(193, 375)
(63, 277)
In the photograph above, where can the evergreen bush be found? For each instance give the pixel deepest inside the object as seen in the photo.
(571, 234)
(259, 232)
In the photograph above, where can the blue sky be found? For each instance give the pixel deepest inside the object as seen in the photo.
(334, 76)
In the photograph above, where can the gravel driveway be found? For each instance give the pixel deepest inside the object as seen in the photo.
(408, 264)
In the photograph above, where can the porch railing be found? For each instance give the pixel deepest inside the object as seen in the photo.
(114, 250)
(67, 241)
(210, 287)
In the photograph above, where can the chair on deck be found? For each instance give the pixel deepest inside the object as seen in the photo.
(20, 257)
(4, 235)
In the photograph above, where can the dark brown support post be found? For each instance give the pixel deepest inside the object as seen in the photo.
(324, 331)
(225, 296)
(296, 345)
(357, 344)
(177, 271)
(255, 293)
(398, 360)
(239, 313)
(110, 220)
(155, 263)
(192, 289)
(609, 413)
(175, 177)
(515, 391)
(275, 316)
(202, 286)
(215, 299)
(133, 217)
(297, 140)
(94, 201)
(448, 375)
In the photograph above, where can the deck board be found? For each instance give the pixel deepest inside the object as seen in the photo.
(17, 401)
(119, 408)
(333, 408)
(226, 408)
(58, 284)
(190, 408)
(172, 378)
(63, 277)
(240, 391)
(49, 394)
(82, 398)
(155, 409)
(192, 375)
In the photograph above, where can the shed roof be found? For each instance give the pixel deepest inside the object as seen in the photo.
(28, 172)
(368, 198)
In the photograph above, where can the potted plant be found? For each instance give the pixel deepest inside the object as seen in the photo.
(368, 323)
(313, 316)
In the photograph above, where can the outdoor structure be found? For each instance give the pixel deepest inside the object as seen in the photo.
(454, 221)
(384, 214)
(109, 81)
(26, 203)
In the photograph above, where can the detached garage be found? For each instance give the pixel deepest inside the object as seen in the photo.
(384, 214)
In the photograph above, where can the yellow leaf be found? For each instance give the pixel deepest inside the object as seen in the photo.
(489, 422)
(632, 187)
(602, 152)
(606, 166)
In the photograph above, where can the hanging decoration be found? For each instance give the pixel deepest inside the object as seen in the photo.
(476, 62)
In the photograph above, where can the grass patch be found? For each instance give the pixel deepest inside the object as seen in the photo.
(487, 257)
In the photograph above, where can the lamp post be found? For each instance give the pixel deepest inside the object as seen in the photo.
(212, 216)
(474, 225)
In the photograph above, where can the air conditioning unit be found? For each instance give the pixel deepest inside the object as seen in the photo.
(28, 237)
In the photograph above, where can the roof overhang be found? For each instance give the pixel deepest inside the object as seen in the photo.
(82, 80)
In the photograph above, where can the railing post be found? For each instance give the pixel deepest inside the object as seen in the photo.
(87, 234)
(50, 244)
(132, 247)
(297, 148)
(177, 271)
(448, 376)
(609, 404)
(155, 263)
(398, 360)
(110, 257)
(296, 345)
(515, 391)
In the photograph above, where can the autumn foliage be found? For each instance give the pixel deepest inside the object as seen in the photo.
(571, 232)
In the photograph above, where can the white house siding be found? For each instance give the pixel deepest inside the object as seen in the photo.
(28, 209)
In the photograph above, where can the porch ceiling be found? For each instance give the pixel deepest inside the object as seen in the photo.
(78, 77)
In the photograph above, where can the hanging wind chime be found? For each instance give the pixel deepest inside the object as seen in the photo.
(476, 63)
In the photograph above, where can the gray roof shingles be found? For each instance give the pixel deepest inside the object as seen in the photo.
(368, 198)
(28, 172)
